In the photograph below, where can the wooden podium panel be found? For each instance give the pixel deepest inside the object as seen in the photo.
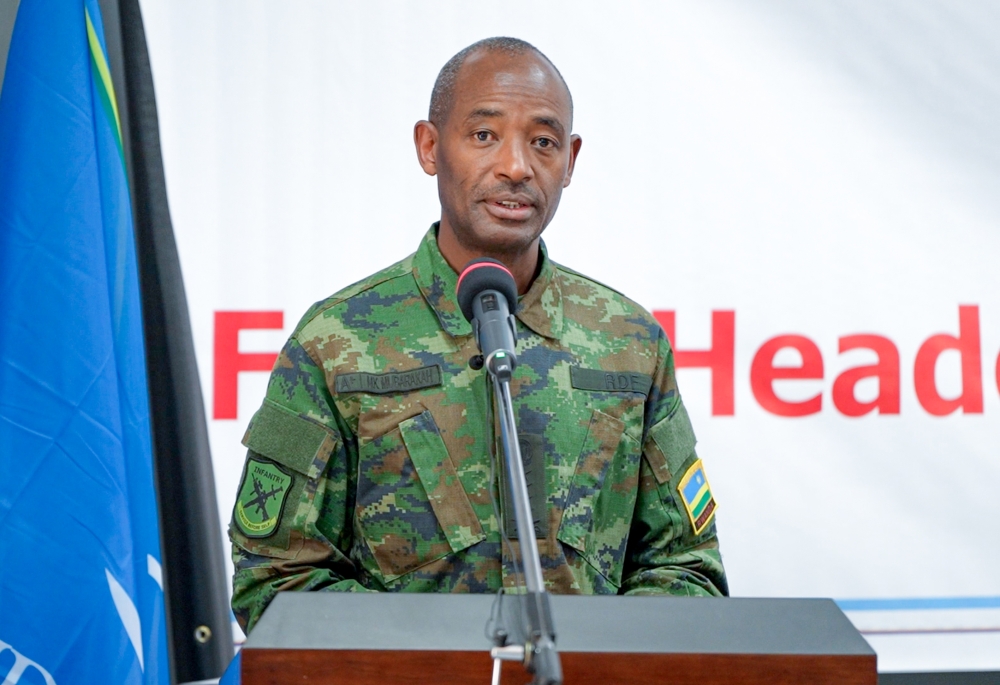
(362, 639)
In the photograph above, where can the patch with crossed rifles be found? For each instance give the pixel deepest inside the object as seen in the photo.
(261, 499)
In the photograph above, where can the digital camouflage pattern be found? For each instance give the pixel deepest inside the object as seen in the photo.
(391, 464)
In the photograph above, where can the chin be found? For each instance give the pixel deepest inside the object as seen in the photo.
(505, 238)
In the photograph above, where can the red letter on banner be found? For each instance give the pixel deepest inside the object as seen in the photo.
(229, 361)
(720, 358)
(886, 370)
(967, 344)
(998, 373)
(763, 373)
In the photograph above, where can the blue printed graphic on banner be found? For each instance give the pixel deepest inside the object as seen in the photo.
(81, 593)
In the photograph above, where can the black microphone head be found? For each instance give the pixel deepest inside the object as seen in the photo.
(485, 274)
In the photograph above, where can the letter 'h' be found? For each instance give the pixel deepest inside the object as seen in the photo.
(720, 358)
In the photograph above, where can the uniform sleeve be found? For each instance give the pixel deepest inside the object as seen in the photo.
(673, 547)
(291, 524)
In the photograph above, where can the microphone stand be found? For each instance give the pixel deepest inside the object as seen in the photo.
(539, 655)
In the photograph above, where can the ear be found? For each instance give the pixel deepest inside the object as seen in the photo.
(575, 143)
(425, 138)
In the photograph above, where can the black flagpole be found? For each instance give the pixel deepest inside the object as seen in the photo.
(200, 639)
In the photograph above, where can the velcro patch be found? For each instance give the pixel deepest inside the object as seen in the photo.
(697, 496)
(675, 438)
(609, 381)
(533, 457)
(262, 497)
(389, 383)
(289, 439)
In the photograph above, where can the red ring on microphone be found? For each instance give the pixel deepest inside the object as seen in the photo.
(478, 265)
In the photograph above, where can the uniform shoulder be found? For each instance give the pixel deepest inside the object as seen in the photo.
(401, 269)
(570, 277)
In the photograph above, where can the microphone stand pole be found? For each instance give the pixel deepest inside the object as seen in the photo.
(539, 654)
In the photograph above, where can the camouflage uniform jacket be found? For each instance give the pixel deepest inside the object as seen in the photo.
(369, 463)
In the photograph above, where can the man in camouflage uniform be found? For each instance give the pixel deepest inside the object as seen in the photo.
(372, 464)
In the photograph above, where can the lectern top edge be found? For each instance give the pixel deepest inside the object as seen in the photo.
(419, 622)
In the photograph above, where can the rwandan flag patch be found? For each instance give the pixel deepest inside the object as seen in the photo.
(697, 496)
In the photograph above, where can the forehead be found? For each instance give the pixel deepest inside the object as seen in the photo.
(523, 80)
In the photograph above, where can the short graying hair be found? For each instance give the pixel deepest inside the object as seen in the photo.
(443, 95)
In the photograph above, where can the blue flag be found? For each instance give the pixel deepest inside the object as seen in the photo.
(81, 598)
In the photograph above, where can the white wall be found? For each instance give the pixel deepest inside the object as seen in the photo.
(824, 168)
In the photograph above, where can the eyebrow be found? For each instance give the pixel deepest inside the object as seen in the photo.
(487, 113)
(552, 123)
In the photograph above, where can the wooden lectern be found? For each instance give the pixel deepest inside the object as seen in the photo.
(368, 639)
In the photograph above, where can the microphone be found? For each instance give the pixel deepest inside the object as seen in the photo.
(487, 295)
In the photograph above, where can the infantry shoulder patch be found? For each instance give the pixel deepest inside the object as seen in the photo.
(697, 496)
(262, 498)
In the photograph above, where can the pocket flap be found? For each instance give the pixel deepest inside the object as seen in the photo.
(437, 474)
(290, 439)
(670, 443)
(599, 447)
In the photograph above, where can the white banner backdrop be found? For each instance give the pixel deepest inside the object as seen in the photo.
(809, 172)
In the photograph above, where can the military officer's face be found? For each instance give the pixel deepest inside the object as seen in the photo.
(504, 152)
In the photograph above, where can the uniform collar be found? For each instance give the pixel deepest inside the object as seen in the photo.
(540, 309)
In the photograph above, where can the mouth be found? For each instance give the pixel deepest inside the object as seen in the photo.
(510, 208)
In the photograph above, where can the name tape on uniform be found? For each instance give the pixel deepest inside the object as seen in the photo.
(609, 381)
(389, 383)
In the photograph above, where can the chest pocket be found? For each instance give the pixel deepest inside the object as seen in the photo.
(411, 507)
(601, 500)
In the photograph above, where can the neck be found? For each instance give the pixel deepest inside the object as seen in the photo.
(523, 264)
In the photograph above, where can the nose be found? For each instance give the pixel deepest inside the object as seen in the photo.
(513, 161)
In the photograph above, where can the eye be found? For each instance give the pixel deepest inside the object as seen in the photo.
(482, 136)
(545, 143)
